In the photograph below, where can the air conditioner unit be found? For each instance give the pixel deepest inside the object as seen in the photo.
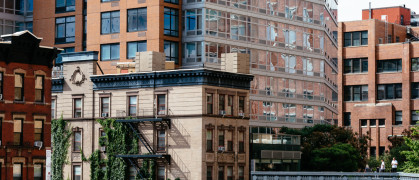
(0, 142)
(38, 144)
(103, 148)
(241, 114)
(105, 114)
(223, 112)
(221, 148)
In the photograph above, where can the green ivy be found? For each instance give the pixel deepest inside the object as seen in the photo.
(60, 144)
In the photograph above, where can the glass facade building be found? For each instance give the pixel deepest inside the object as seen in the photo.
(16, 15)
(293, 56)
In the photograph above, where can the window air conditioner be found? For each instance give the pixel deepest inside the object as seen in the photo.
(38, 144)
(103, 148)
(105, 114)
(222, 112)
(221, 148)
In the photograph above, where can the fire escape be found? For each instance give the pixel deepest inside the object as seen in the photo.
(413, 36)
(151, 154)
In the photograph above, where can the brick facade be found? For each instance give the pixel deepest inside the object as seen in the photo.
(398, 15)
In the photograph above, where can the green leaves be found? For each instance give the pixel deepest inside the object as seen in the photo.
(60, 144)
(412, 156)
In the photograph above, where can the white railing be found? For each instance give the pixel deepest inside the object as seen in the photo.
(259, 175)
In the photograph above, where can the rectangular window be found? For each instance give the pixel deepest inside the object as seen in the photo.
(381, 122)
(230, 105)
(241, 105)
(209, 172)
(65, 30)
(394, 65)
(356, 93)
(220, 172)
(241, 141)
(77, 141)
(102, 140)
(373, 151)
(399, 118)
(17, 131)
(161, 173)
(389, 91)
(104, 106)
(241, 172)
(415, 64)
(110, 22)
(39, 130)
(397, 39)
(161, 104)
(171, 49)
(193, 23)
(171, 22)
(373, 122)
(161, 141)
(389, 39)
(19, 87)
(172, 1)
(356, 65)
(221, 104)
(132, 106)
(221, 140)
(356, 38)
(229, 140)
(415, 118)
(53, 107)
(39, 88)
(77, 172)
(134, 47)
(62, 6)
(17, 171)
(209, 140)
(132, 173)
(210, 103)
(37, 172)
(230, 173)
(347, 119)
(381, 150)
(137, 19)
(364, 122)
(109, 52)
(77, 104)
(415, 90)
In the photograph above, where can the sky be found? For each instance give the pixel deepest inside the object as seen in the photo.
(350, 10)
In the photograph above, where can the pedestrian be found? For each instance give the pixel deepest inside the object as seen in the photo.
(383, 166)
(367, 168)
(394, 164)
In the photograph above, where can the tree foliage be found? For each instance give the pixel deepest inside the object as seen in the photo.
(412, 156)
(339, 157)
(60, 144)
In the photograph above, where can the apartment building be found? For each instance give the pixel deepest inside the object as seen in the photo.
(396, 14)
(15, 15)
(175, 112)
(378, 80)
(25, 106)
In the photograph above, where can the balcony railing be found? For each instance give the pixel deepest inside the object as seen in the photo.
(57, 72)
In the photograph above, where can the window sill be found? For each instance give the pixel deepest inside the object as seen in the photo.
(110, 34)
(355, 46)
(390, 99)
(356, 101)
(109, 1)
(392, 72)
(361, 73)
(142, 30)
(18, 102)
(109, 59)
(39, 103)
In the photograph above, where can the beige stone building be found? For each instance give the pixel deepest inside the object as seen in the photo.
(200, 122)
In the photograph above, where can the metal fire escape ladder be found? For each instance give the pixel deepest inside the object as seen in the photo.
(412, 35)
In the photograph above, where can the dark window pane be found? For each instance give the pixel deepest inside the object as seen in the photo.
(399, 119)
(347, 119)
(348, 65)
(364, 65)
(364, 93)
(398, 89)
(348, 93)
(381, 92)
(389, 91)
(356, 38)
(357, 93)
(356, 66)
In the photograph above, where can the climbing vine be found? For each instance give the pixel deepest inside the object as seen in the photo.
(60, 144)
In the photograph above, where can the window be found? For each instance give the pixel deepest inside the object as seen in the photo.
(77, 105)
(102, 140)
(132, 106)
(193, 21)
(356, 38)
(62, 6)
(415, 118)
(381, 122)
(77, 141)
(39, 88)
(161, 104)
(19, 87)
(221, 140)
(364, 122)
(77, 172)
(39, 130)
(389, 91)
(389, 39)
(65, 30)
(53, 107)
(134, 47)
(415, 90)
(241, 172)
(241, 141)
(171, 49)
(17, 131)
(381, 150)
(397, 39)
(221, 104)
(399, 118)
(230, 173)
(132, 173)
(161, 173)
(347, 119)
(229, 140)
(110, 22)
(389, 65)
(415, 64)
(171, 22)
(17, 171)
(193, 52)
(241, 105)
(1, 85)
(220, 173)
(230, 105)
(109, 52)
(210, 103)
(373, 151)
(104, 106)
(137, 19)
(209, 140)
(172, 1)
(107, 0)
(37, 172)
(373, 122)
(161, 141)
(356, 93)
(356, 65)
(209, 172)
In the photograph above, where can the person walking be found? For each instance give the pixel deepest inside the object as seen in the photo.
(394, 164)
(383, 166)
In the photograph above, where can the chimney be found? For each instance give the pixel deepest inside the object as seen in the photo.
(150, 61)
(235, 63)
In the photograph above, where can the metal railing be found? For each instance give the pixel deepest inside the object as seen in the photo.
(259, 175)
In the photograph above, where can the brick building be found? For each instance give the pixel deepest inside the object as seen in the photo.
(397, 15)
(378, 79)
(25, 106)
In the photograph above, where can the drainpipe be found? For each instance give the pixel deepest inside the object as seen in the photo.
(370, 11)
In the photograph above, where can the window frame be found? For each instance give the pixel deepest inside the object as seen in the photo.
(221, 141)
(130, 104)
(222, 104)
(159, 168)
(173, 47)
(362, 96)
(347, 118)
(73, 169)
(172, 1)
(21, 170)
(137, 48)
(21, 119)
(42, 93)
(161, 109)
(42, 129)
(396, 115)
(112, 45)
(209, 142)
(349, 41)
(394, 88)
(230, 142)
(351, 66)
(111, 23)
(74, 148)
(414, 114)
(22, 89)
(105, 105)
(76, 109)
(209, 172)
(42, 170)
(67, 22)
(161, 140)
(171, 14)
(241, 144)
(53, 107)
(210, 105)
(137, 28)
(66, 8)
(382, 64)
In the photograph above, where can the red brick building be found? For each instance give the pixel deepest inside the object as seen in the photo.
(25, 105)
(397, 15)
(378, 80)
